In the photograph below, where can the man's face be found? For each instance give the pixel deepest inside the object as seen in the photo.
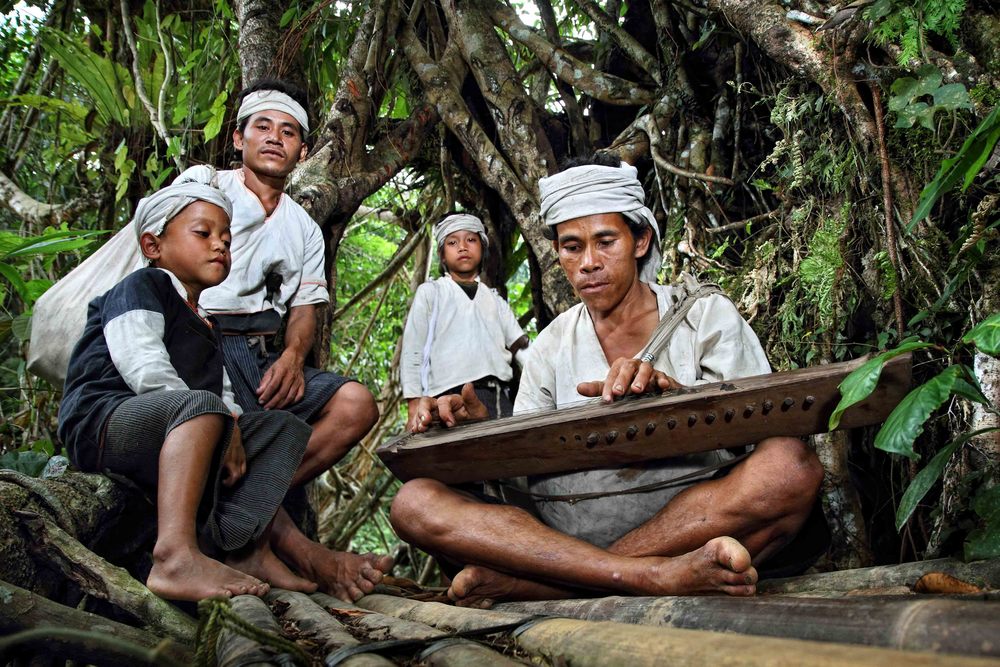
(599, 255)
(271, 143)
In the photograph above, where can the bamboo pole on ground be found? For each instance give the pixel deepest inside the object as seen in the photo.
(984, 573)
(380, 627)
(438, 615)
(22, 610)
(234, 649)
(969, 627)
(322, 628)
(577, 643)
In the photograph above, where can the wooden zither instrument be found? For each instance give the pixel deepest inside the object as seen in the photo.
(596, 435)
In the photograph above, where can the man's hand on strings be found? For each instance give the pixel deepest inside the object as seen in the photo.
(628, 376)
(449, 409)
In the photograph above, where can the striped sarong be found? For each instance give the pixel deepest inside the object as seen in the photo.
(233, 517)
(247, 360)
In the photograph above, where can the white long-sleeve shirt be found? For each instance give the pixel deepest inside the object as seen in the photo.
(470, 338)
(712, 344)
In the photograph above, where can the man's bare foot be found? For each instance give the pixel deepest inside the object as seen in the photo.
(721, 566)
(480, 587)
(346, 576)
(261, 562)
(184, 573)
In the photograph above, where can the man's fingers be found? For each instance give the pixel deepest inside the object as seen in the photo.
(591, 389)
(445, 413)
(640, 382)
(664, 382)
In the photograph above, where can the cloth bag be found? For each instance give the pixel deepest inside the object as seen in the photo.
(60, 315)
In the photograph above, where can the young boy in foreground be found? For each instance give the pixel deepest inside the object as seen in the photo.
(147, 397)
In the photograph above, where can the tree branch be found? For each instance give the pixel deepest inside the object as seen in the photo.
(599, 85)
(629, 44)
(402, 254)
(140, 85)
(38, 213)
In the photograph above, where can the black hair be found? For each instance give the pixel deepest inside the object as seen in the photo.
(281, 86)
(604, 159)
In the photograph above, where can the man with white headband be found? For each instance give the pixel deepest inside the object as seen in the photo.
(279, 274)
(459, 332)
(700, 534)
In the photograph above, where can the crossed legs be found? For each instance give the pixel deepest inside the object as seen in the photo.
(762, 503)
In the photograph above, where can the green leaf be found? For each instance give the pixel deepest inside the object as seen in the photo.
(218, 112)
(907, 420)
(30, 463)
(14, 276)
(77, 112)
(863, 380)
(103, 79)
(983, 543)
(21, 327)
(987, 503)
(287, 17)
(964, 165)
(952, 96)
(986, 335)
(924, 480)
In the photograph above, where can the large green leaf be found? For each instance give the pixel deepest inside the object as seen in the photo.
(986, 335)
(907, 420)
(962, 167)
(925, 479)
(863, 379)
(30, 463)
(103, 79)
(49, 105)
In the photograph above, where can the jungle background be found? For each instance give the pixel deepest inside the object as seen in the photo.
(832, 166)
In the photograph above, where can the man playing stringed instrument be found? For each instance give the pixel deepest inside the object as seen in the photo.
(691, 530)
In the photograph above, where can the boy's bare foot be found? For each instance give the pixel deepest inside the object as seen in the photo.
(480, 587)
(184, 573)
(721, 566)
(261, 562)
(346, 576)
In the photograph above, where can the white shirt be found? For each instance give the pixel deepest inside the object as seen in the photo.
(288, 244)
(470, 339)
(712, 344)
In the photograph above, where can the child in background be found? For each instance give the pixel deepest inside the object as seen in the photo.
(147, 397)
(460, 336)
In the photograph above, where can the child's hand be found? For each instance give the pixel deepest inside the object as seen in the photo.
(234, 464)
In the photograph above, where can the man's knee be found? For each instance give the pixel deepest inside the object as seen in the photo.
(353, 402)
(414, 512)
(794, 467)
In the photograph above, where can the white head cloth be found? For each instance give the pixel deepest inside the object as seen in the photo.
(272, 100)
(155, 211)
(595, 189)
(460, 222)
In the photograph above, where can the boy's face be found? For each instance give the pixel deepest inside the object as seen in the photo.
(194, 246)
(271, 143)
(463, 252)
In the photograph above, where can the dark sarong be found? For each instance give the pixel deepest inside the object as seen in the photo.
(247, 360)
(275, 442)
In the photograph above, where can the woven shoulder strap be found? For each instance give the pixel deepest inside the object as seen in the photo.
(693, 290)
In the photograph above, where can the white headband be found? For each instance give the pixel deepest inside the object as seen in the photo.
(196, 184)
(595, 189)
(272, 100)
(460, 222)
